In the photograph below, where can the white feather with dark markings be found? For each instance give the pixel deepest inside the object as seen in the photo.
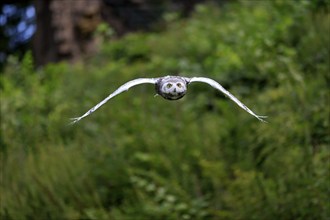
(171, 88)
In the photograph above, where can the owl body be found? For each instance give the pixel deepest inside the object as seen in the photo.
(171, 87)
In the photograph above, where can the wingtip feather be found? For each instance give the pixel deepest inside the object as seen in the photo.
(261, 118)
(74, 120)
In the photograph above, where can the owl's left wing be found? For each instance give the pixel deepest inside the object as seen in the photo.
(121, 89)
(217, 86)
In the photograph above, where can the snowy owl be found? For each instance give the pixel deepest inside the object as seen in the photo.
(171, 88)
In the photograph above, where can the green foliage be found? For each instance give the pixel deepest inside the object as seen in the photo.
(141, 157)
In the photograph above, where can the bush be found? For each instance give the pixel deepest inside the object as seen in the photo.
(141, 157)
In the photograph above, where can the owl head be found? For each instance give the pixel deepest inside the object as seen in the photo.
(172, 87)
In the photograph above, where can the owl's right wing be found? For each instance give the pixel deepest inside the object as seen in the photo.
(217, 86)
(121, 89)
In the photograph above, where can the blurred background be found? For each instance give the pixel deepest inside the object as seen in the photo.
(143, 157)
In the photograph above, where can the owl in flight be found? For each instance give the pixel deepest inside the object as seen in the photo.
(171, 88)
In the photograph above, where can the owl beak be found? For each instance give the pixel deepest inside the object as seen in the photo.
(174, 90)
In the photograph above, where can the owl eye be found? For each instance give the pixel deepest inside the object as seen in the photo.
(179, 85)
(169, 85)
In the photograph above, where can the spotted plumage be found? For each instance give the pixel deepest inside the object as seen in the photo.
(170, 88)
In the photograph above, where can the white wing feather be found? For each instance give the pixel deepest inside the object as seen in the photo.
(121, 89)
(217, 86)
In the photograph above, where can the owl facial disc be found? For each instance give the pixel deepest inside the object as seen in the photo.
(171, 87)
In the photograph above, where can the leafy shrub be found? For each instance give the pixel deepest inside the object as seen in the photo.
(141, 157)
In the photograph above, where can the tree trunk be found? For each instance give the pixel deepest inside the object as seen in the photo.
(65, 29)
